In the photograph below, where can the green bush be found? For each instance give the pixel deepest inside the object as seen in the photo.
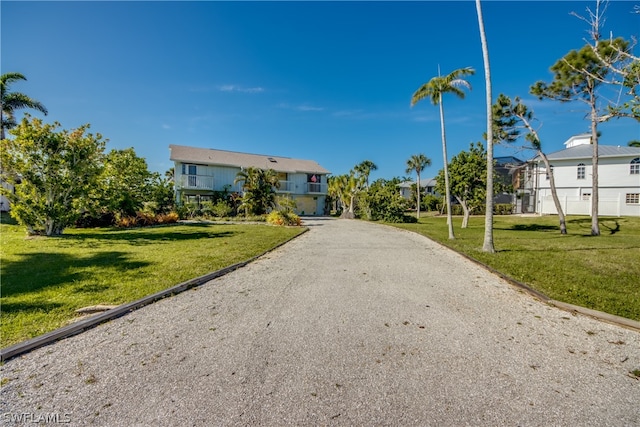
(222, 209)
(431, 203)
(498, 209)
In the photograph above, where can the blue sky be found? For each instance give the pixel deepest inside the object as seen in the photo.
(328, 81)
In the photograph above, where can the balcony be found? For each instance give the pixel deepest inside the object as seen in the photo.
(316, 188)
(196, 182)
(286, 187)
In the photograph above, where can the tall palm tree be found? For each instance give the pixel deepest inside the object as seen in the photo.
(417, 163)
(12, 101)
(487, 246)
(364, 170)
(434, 89)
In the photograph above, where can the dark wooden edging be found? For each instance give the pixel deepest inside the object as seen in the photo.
(600, 315)
(82, 325)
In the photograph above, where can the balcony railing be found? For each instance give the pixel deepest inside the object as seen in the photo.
(286, 187)
(196, 182)
(316, 187)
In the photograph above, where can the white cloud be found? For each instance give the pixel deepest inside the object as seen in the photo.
(241, 89)
(308, 108)
(301, 107)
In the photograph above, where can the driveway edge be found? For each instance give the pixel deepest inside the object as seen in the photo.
(85, 324)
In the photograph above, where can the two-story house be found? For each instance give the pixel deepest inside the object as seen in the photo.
(199, 172)
(428, 187)
(618, 179)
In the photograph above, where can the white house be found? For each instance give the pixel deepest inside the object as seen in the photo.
(199, 172)
(618, 179)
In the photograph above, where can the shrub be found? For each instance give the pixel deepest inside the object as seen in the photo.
(188, 210)
(431, 203)
(498, 209)
(168, 218)
(283, 218)
(143, 219)
(221, 209)
(126, 221)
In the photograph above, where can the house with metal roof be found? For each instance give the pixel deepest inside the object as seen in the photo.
(200, 172)
(428, 187)
(618, 179)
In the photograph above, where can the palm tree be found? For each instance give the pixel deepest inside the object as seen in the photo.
(258, 185)
(434, 89)
(12, 101)
(417, 163)
(488, 219)
(364, 169)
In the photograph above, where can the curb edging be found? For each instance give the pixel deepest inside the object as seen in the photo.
(121, 310)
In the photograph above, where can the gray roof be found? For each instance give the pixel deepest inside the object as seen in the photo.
(586, 152)
(429, 182)
(207, 156)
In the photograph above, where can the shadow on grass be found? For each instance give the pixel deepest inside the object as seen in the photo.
(37, 271)
(17, 307)
(532, 227)
(613, 225)
(5, 218)
(140, 237)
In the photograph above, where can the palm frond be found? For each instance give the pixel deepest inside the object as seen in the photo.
(16, 101)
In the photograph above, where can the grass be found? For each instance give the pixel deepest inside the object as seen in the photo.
(601, 273)
(45, 279)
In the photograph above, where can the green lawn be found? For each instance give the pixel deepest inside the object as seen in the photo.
(45, 279)
(601, 273)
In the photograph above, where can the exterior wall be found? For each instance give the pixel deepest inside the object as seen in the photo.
(614, 182)
(428, 188)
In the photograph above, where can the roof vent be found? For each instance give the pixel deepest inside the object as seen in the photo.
(272, 160)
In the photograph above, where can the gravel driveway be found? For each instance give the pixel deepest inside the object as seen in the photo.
(350, 324)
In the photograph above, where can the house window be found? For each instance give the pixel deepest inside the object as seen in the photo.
(189, 169)
(586, 196)
(581, 171)
(635, 166)
(550, 171)
(632, 198)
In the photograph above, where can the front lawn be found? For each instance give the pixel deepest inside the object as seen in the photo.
(45, 279)
(601, 273)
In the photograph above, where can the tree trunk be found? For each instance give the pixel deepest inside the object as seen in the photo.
(466, 211)
(418, 195)
(554, 193)
(349, 213)
(487, 246)
(595, 227)
(446, 172)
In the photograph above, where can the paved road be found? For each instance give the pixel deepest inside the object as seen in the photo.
(350, 324)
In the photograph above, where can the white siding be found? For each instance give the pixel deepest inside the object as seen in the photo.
(614, 182)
